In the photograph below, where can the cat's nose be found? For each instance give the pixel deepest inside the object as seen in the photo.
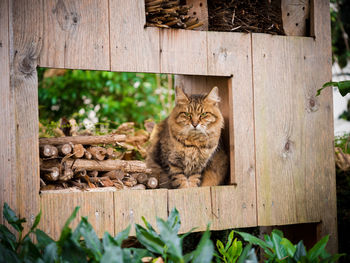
(194, 124)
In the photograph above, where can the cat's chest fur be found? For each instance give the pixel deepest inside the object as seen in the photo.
(192, 159)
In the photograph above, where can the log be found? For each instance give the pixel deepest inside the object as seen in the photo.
(48, 151)
(78, 150)
(85, 140)
(108, 165)
(116, 174)
(67, 175)
(87, 155)
(97, 152)
(129, 181)
(64, 149)
(152, 183)
(50, 174)
(141, 178)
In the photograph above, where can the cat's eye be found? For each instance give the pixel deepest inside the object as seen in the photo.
(204, 114)
(187, 114)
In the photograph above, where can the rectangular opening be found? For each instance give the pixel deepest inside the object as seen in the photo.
(94, 124)
(277, 17)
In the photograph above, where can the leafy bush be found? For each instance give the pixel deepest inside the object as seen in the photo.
(108, 97)
(83, 245)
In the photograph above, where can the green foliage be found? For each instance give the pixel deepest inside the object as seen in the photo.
(343, 86)
(279, 249)
(110, 97)
(83, 245)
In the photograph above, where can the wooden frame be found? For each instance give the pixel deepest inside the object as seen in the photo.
(280, 134)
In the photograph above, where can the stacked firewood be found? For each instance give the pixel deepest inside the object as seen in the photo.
(170, 14)
(96, 161)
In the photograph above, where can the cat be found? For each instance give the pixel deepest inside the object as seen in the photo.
(185, 150)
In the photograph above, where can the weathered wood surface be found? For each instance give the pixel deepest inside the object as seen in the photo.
(19, 105)
(76, 34)
(194, 206)
(324, 170)
(97, 206)
(86, 140)
(7, 118)
(295, 17)
(134, 47)
(130, 206)
(233, 206)
(183, 52)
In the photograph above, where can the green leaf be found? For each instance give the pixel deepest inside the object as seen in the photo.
(254, 240)
(66, 230)
(7, 255)
(343, 87)
(122, 235)
(170, 239)
(205, 249)
(50, 253)
(288, 246)
(317, 249)
(174, 220)
(229, 240)
(150, 240)
(148, 226)
(244, 253)
(300, 251)
(279, 249)
(7, 238)
(36, 222)
(42, 239)
(91, 239)
(112, 254)
(12, 219)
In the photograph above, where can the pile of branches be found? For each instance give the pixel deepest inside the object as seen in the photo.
(170, 14)
(256, 16)
(92, 161)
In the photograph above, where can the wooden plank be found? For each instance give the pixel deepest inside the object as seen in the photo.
(231, 208)
(295, 17)
(134, 47)
(58, 205)
(229, 54)
(194, 206)
(131, 205)
(7, 119)
(25, 44)
(199, 10)
(183, 52)
(321, 29)
(76, 34)
(294, 153)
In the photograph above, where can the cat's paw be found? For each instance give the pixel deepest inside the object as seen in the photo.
(194, 180)
(181, 181)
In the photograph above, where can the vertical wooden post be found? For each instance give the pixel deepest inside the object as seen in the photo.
(19, 106)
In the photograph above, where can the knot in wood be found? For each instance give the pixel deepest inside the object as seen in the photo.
(27, 65)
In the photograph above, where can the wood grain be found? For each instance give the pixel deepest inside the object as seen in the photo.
(183, 51)
(131, 205)
(7, 118)
(232, 208)
(25, 45)
(295, 14)
(229, 54)
(194, 206)
(76, 34)
(57, 206)
(294, 133)
(134, 47)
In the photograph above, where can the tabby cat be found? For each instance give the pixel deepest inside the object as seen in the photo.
(185, 150)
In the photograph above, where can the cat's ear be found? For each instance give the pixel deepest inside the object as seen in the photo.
(213, 96)
(180, 96)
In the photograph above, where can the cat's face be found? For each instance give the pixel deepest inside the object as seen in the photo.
(197, 116)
